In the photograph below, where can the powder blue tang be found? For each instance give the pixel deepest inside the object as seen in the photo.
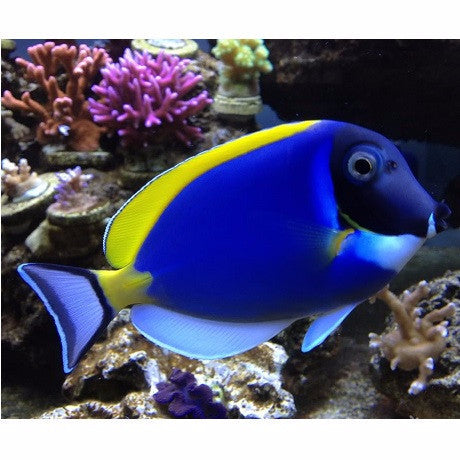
(228, 248)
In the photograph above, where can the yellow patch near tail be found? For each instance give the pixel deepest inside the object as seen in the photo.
(124, 287)
(130, 226)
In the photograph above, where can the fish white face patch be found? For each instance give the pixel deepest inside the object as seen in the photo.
(388, 252)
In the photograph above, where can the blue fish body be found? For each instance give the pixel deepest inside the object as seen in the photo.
(256, 249)
(229, 247)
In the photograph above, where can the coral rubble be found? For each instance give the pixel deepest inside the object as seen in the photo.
(134, 405)
(64, 118)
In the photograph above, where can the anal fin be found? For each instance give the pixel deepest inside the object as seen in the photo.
(198, 337)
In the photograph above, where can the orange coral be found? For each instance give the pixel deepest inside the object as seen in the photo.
(417, 341)
(65, 116)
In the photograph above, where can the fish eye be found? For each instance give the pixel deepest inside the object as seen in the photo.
(362, 165)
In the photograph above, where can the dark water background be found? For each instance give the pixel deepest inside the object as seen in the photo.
(434, 163)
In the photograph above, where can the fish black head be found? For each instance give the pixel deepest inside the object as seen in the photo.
(375, 188)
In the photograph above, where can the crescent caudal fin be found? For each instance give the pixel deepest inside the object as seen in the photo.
(76, 302)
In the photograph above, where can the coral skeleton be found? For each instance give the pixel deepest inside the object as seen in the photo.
(416, 341)
(143, 98)
(64, 118)
(18, 183)
(185, 399)
(71, 196)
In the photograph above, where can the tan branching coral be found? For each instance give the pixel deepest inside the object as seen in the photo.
(65, 115)
(241, 63)
(417, 341)
(243, 59)
(17, 180)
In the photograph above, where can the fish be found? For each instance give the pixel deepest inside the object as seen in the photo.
(226, 249)
(64, 130)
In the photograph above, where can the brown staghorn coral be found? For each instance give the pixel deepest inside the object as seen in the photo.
(65, 116)
(417, 341)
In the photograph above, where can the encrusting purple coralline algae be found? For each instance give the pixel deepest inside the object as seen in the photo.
(185, 399)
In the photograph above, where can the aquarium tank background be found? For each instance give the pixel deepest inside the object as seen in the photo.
(86, 123)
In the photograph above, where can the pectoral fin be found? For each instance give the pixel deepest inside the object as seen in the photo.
(324, 326)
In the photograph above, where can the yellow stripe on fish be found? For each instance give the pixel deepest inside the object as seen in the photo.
(131, 224)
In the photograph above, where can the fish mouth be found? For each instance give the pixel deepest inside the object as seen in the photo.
(437, 221)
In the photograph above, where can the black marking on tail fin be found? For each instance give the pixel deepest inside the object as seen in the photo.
(76, 302)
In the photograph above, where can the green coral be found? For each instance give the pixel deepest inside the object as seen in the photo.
(243, 59)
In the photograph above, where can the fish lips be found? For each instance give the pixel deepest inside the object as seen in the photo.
(437, 221)
(441, 213)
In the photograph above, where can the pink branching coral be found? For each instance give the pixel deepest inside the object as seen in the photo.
(64, 117)
(143, 98)
(417, 341)
(18, 181)
(71, 196)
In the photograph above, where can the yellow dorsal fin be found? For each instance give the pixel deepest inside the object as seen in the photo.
(129, 227)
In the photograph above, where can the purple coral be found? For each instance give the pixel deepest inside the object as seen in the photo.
(186, 399)
(142, 97)
(71, 195)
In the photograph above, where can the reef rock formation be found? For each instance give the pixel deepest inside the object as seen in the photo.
(125, 366)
